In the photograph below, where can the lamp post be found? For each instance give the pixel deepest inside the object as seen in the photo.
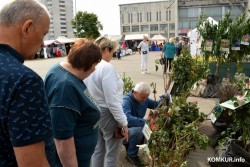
(76, 19)
(168, 15)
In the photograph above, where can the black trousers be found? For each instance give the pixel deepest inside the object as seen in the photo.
(166, 62)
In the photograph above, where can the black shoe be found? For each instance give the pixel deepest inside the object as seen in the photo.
(134, 160)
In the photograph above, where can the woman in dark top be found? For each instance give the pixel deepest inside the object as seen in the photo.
(73, 112)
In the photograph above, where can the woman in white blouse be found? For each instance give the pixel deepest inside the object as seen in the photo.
(106, 87)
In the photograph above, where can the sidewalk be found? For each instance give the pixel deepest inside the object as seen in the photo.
(131, 66)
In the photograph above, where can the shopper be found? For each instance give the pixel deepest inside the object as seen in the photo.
(143, 49)
(74, 113)
(106, 87)
(168, 53)
(25, 127)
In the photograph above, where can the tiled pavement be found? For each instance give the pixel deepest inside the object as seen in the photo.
(131, 66)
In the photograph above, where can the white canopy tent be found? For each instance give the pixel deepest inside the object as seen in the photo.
(195, 38)
(63, 39)
(158, 38)
(135, 36)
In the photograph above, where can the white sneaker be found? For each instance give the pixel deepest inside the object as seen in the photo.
(143, 72)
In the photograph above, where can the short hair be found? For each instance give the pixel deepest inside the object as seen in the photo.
(18, 10)
(171, 40)
(104, 42)
(83, 54)
(145, 37)
(142, 87)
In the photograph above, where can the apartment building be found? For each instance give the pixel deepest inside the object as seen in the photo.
(171, 18)
(61, 14)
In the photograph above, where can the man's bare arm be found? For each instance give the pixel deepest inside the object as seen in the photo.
(31, 155)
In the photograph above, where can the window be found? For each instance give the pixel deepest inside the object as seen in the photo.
(236, 11)
(184, 24)
(135, 28)
(163, 27)
(138, 18)
(149, 16)
(131, 15)
(126, 29)
(193, 12)
(144, 28)
(192, 24)
(154, 27)
(160, 16)
(171, 26)
(183, 13)
(128, 18)
(168, 15)
(122, 16)
(157, 17)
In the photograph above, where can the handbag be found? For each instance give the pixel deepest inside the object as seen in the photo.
(161, 61)
(119, 132)
(144, 52)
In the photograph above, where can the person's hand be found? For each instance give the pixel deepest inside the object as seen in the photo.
(125, 134)
(162, 55)
(146, 115)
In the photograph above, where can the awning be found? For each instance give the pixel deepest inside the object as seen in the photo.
(135, 36)
(49, 42)
(63, 39)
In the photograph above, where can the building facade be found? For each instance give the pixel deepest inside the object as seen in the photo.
(172, 18)
(61, 14)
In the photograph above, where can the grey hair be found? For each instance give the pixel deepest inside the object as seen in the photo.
(104, 42)
(142, 87)
(18, 10)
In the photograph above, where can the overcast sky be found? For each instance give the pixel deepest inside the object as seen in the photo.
(106, 10)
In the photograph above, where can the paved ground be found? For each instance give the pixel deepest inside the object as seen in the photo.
(131, 66)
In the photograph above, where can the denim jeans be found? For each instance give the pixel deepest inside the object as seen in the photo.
(135, 138)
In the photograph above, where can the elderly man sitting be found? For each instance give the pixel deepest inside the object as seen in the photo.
(135, 104)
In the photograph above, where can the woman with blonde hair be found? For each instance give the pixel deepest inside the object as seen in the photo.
(168, 53)
(106, 87)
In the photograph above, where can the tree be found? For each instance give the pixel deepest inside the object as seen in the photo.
(86, 25)
(239, 27)
(229, 29)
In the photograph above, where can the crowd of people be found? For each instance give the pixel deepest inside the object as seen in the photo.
(70, 117)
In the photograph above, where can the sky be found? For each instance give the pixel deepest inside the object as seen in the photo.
(107, 12)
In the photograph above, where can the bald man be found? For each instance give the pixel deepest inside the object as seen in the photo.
(25, 129)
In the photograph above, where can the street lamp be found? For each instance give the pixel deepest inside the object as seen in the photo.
(76, 19)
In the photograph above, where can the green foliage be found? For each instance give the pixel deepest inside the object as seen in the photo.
(128, 84)
(227, 28)
(186, 71)
(86, 25)
(239, 27)
(177, 134)
(239, 128)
